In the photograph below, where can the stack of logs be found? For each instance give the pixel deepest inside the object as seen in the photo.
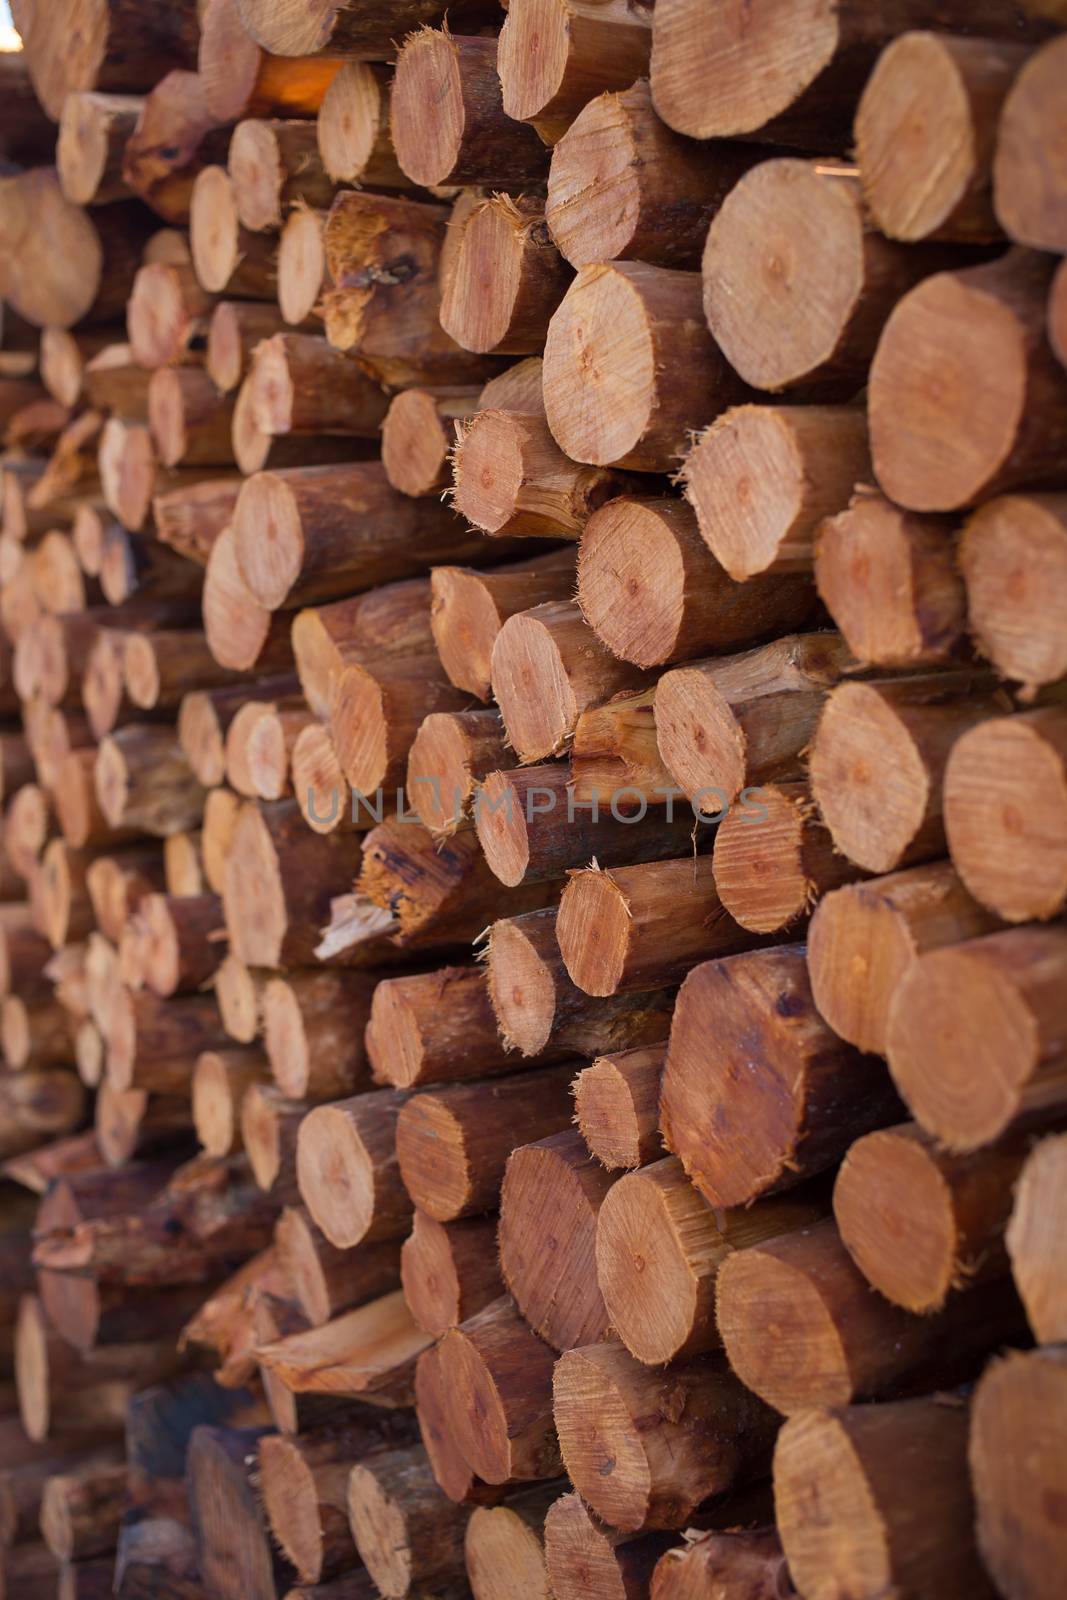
(533, 580)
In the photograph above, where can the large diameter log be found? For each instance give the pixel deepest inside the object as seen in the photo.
(112, 46)
(453, 1144)
(506, 278)
(740, 1136)
(646, 1448)
(612, 332)
(449, 1271)
(921, 1223)
(659, 1247)
(1036, 1218)
(774, 859)
(616, 1103)
(313, 1028)
(1006, 813)
(906, 726)
(90, 262)
(930, 91)
(1013, 557)
(889, 580)
(802, 73)
(871, 1499)
(1016, 1459)
(554, 59)
(241, 80)
(554, 1187)
(588, 1561)
(980, 331)
(1031, 204)
(470, 608)
(865, 936)
(405, 1528)
(348, 1170)
(503, 1427)
(975, 1037)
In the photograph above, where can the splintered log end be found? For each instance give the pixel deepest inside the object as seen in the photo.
(617, 1106)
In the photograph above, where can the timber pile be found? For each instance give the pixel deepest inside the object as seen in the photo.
(533, 581)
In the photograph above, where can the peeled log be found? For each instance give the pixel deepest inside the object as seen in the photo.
(470, 608)
(553, 59)
(741, 1136)
(616, 1103)
(865, 936)
(1013, 557)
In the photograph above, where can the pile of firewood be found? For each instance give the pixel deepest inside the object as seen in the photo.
(533, 583)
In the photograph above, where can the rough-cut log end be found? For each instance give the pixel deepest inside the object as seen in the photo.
(1013, 556)
(531, 686)
(32, 1368)
(301, 265)
(214, 229)
(616, 1102)
(336, 1174)
(415, 444)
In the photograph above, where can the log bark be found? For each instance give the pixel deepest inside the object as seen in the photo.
(133, 1122)
(24, 952)
(381, 624)
(300, 384)
(645, 1449)
(587, 1561)
(377, 712)
(190, 520)
(434, 1027)
(241, 80)
(449, 755)
(182, 944)
(152, 1044)
(220, 1079)
(114, 381)
(554, 59)
(355, 144)
(507, 277)
(976, 331)
(38, 1106)
(34, 1036)
(117, 46)
(743, 1136)
(348, 1170)
(453, 1144)
(470, 608)
(510, 477)
(327, 1280)
(63, 358)
(618, 320)
(81, 1511)
(448, 1271)
(406, 1530)
(190, 421)
(616, 1102)
(871, 1497)
(1013, 558)
(313, 1026)
(774, 859)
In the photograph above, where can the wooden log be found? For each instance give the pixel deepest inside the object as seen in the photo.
(33, 1036)
(354, 138)
(190, 519)
(624, 187)
(616, 1102)
(1057, 315)
(553, 60)
(405, 1528)
(190, 421)
(802, 77)
(182, 944)
(451, 752)
(272, 737)
(168, 314)
(300, 384)
(269, 1127)
(114, 381)
(320, 787)
(241, 80)
(143, 781)
(391, 321)
(506, 1544)
(117, 884)
(377, 712)
(119, 49)
(743, 1136)
(986, 327)
(1016, 1465)
(1035, 1214)
(844, 1342)
(470, 608)
(274, 165)
(140, 567)
(1011, 555)
(327, 1280)
(154, 1555)
(509, 313)
(921, 1223)
(874, 1525)
(61, 893)
(453, 1144)
(774, 859)
(220, 1079)
(279, 878)
(658, 1251)
(228, 258)
(81, 1511)
(174, 138)
(417, 437)
(448, 1271)
(24, 952)
(586, 1559)
(645, 1448)
(38, 1106)
(335, 529)
(131, 1122)
(432, 1395)
(330, 31)
(236, 328)
(63, 357)
(629, 314)
(302, 271)
(912, 723)
(348, 1170)
(313, 1026)
(1031, 205)
(240, 632)
(368, 1353)
(504, 1429)
(205, 716)
(153, 1044)
(383, 623)
(747, 1561)
(434, 1027)
(27, 826)
(231, 1532)
(993, 993)
(865, 936)
(128, 471)
(615, 752)
(183, 869)
(239, 991)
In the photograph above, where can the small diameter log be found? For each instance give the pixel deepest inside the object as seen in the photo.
(920, 1223)
(406, 1530)
(228, 259)
(183, 869)
(774, 859)
(1036, 1218)
(355, 144)
(61, 895)
(378, 710)
(93, 132)
(616, 1103)
(808, 218)
(239, 993)
(531, 830)
(503, 1426)
(624, 187)
(114, 381)
(645, 1448)
(143, 781)
(740, 1136)
(302, 271)
(37, 1107)
(507, 277)
(182, 941)
(433, 1027)
(326, 1280)
(153, 1044)
(369, 1353)
(865, 936)
(240, 632)
(840, 1341)
(748, 1562)
(300, 384)
(27, 827)
(313, 1025)
(553, 647)
(237, 326)
(273, 165)
(320, 787)
(190, 420)
(220, 1079)
(931, 92)
(611, 335)
(383, 623)
(904, 728)
(132, 1122)
(449, 1271)
(536, 1004)
(231, 1532)
(81, 1511)
(587, 1561)
(447, 118)
(973, 1037)
(890, 581)
(869, 1499)
(348, 1170)
(554, 1187)
(980, 331)
(802, 75)
(34, 1035)
(117, 884)
(168, 313)
(190, 519)
(762, 478)
(279, 879)
(449, 755)
(1030, 202)
(505, 1547)
(205, 716)
(653, 594)
(335, 529)
(641, 927)
(62, 361)
(24, 952)
(417, 437)
(554, 59)
(1013, 557)
(271, 744)
(470, 608)
(453, 1144)
(738, 721)
(658, 1250)
(241, 80)
(128, 471)
(269, 1127)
